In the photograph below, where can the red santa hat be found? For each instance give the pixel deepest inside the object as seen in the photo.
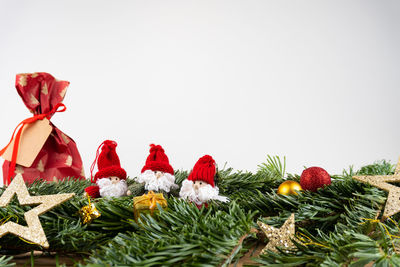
(204, 170)
(157, 160)
(107, 162)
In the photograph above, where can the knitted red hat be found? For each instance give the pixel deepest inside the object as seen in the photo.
(157, 160)
(204, 170)
(107, 162)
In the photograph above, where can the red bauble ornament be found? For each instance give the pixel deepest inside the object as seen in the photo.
(313, 178)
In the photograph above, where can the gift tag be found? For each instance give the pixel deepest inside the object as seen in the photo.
(33, 137)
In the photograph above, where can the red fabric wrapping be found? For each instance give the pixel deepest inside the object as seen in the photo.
(59, 157)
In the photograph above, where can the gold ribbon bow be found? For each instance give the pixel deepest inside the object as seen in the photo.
(151, 199)
(388, 234)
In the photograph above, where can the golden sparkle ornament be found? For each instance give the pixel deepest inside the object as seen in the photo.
(89, 213)
(289, 188)
(279, 237)
(383, 182)
(33, 232)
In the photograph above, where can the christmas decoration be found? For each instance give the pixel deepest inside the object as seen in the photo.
(334, 227)
(92, 191)
(289, 188)
(57, 156)
(89, 213)
(279, 237)
(383, 182)
(157, 173)
(199, 187)
(110, 178)
(147, 203)
(33, 232)
(313, 178)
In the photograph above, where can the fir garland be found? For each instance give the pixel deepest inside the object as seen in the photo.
(335, 226)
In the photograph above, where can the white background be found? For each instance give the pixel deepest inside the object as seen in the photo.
(317, 81)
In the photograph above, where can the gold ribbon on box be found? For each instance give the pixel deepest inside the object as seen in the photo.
(89, 213)
(148, 202)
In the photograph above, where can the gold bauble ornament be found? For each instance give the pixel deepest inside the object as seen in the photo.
(289, 188)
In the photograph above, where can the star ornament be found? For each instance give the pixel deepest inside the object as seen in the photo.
(383, 182)
(279, 237)
(33, 232)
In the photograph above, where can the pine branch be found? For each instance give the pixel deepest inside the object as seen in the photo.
(184, 235)
(274, 167)
(6, 261)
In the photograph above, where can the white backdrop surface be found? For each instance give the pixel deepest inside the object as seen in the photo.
(316, 81)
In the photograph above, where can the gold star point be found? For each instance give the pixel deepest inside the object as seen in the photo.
(279, 237)
(383, 182)
(33, 232)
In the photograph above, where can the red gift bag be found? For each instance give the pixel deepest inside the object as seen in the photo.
(59, 156)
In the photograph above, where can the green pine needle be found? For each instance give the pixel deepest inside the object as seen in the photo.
(331, 221)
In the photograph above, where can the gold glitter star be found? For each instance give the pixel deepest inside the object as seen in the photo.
(33, 232)
(382, 181)
(279, 237)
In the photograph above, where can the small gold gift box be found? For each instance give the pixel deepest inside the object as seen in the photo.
(89, 213)
(147, 204)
